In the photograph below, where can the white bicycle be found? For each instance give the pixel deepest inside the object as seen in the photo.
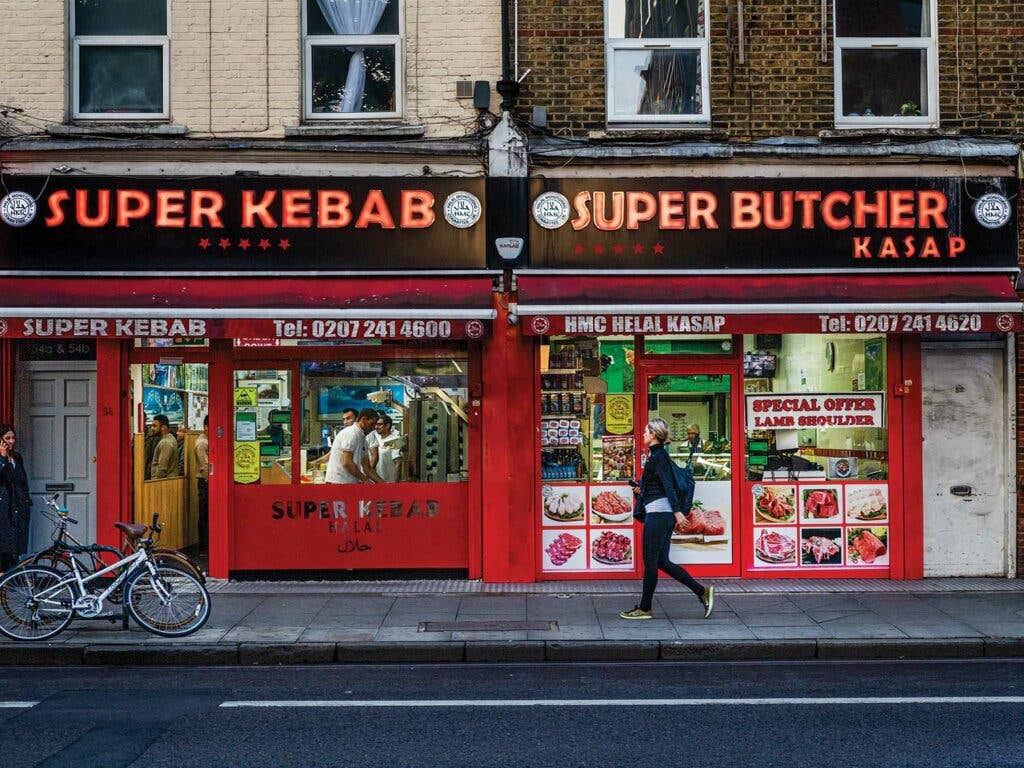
(37, 602)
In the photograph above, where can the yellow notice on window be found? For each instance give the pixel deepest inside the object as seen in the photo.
(246, 397)
(618, 414)
(247, 462)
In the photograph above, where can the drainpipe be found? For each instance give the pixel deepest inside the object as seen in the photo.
(507, 87)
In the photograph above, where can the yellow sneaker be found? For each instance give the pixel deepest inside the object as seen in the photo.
(637, 613)
(708, 600)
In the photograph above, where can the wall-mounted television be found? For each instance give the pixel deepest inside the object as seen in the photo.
(333, 399)
(759, 365)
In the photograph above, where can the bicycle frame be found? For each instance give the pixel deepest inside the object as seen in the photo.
(135, 560)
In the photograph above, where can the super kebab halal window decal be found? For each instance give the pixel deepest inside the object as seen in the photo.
(244, 224)
(761, 224)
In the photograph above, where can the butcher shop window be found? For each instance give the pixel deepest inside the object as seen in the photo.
(886, 63)
(119, 59)
(656, 57)
(353, 59)
(830, 393)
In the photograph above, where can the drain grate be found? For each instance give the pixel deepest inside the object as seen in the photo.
(488, 626)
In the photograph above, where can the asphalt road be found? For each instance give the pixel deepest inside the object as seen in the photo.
(966, 713)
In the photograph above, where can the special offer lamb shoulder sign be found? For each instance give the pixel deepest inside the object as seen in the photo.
(816, 411)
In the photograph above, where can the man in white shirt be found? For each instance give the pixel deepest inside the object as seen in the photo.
(349, 460)
(381, 443)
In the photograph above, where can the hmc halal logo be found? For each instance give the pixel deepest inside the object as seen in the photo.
(18, 209)
(992, 210)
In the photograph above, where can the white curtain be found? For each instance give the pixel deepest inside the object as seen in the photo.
(353, 17)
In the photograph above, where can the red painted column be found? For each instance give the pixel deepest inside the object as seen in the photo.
(221, 431)
(509, 459)
(7, 382)
(913, 462)
(113, 427)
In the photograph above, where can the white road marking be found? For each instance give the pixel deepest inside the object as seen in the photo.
(17, 704)
(835, 700)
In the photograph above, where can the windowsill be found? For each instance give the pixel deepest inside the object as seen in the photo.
(867, 132)
(657, 132)
(351, 130)
(114, 128)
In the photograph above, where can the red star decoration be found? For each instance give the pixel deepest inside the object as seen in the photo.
(244, 244)
(284, 244)
(577, 249)
(204, 243)
(618, 250)
(224, 243)
(659, 248)
(599, 249)
(264, 243)
(638, 249)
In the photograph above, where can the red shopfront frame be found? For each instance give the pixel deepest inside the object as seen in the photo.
(297, 526)
(903, 420)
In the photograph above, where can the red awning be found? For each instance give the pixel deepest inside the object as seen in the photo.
(904, 303)
(389, 307)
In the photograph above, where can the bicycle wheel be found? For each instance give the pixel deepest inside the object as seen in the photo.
(58, 561)
(172, 603)
(176, 559)
(34, 605)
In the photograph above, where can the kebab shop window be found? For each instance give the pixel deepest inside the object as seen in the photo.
(817, 459)
(587, 450)
(425, 399)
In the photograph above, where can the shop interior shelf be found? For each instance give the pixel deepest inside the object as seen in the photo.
(574, 391)
(562, 370)
(561, 415)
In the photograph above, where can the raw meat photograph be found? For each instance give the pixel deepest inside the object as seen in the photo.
(774, 504)
(563, 551)
(821, 502)
(821, 546)
(564, 504)
(867, 546)
(611, 549)
(774, 547)
(611, 504)
(867, 503)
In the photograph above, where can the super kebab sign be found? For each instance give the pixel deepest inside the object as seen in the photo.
(237, 223)
(773, 224)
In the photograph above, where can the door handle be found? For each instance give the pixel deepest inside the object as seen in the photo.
(60, 486)
(961, 490)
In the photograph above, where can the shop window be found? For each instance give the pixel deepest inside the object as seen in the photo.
(353, 61)
(823, 414)
(119, 65)
(657, 61)
(263, 427)
(420, 434)
(681, 344)
(886, 63)
(170, 406)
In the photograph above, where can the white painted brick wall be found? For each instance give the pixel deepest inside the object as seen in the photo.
(239, 80)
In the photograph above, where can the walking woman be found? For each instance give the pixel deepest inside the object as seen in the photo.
(657, 492)
(15, 501)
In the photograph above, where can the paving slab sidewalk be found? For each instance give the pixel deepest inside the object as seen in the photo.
(274, 623)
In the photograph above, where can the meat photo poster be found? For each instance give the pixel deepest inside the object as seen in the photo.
(706, 538)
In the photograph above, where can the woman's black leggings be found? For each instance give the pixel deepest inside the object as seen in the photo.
(657, 540)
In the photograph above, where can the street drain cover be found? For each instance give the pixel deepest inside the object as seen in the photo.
(487, 626)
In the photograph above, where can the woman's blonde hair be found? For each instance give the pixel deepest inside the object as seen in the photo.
(659, 428)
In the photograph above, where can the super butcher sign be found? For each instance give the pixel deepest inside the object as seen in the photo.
(815, 411)
(241, 224)
(312, 328)
(798, 223)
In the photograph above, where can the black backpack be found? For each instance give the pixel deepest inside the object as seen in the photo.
(685, 486)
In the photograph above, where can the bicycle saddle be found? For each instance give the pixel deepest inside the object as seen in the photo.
(132, 530)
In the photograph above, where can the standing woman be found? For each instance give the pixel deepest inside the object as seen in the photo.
(657, 492)
(15, 501)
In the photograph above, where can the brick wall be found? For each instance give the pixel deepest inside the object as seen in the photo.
(236, 68)
(783, 88)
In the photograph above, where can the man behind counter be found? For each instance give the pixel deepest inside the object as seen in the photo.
(349, 460)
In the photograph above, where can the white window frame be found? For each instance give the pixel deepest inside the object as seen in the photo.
(929, 45)
(77, 42)
(703, 45)
(338, 41)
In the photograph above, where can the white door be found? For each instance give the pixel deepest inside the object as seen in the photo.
(965, 461)
(56, 422)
